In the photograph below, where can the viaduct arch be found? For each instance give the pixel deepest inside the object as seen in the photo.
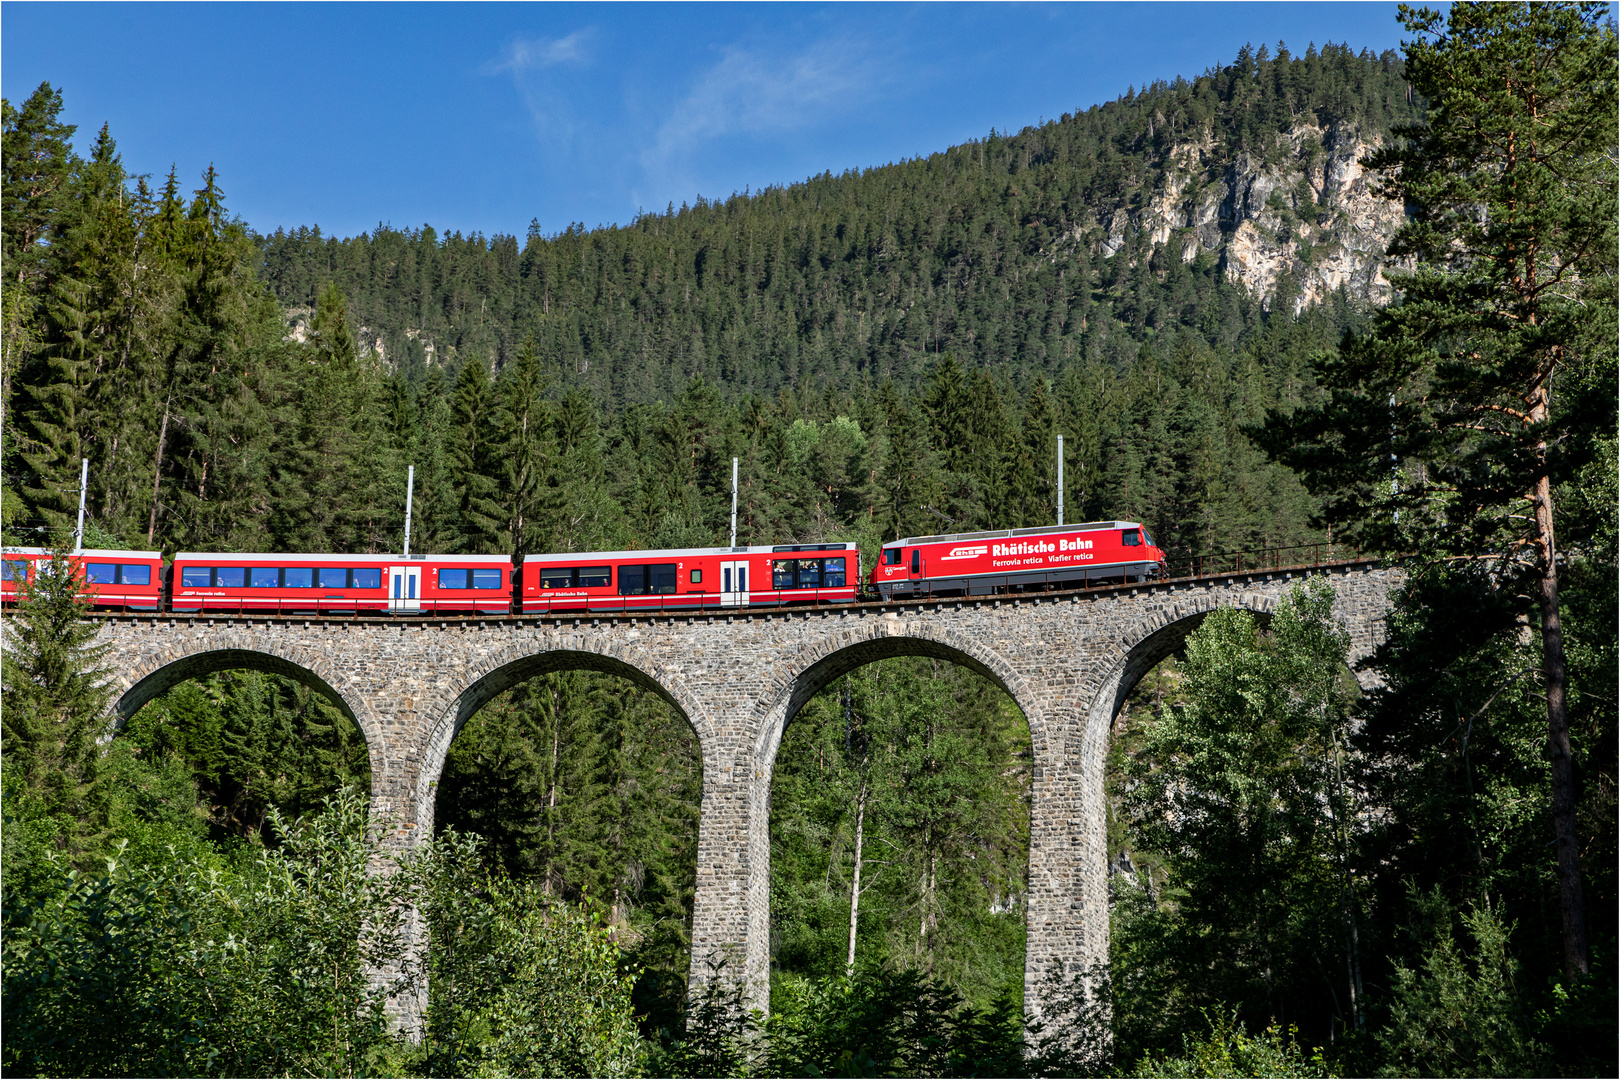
(1067, 659)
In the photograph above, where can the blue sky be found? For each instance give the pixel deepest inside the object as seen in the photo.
(480, 117)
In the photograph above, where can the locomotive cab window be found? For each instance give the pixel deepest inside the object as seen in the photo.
(228, 577)
(14, 570)
(891, 557)
(1131, 537)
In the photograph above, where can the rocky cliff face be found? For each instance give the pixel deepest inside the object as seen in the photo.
(1305, 209)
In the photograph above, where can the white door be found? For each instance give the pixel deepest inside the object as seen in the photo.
(404, 588)
(733, 584)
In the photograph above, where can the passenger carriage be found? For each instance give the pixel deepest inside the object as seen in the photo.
(342, 584)
(127, 580)
(691, 578)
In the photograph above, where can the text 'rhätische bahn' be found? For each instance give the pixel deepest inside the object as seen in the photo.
(629, 582)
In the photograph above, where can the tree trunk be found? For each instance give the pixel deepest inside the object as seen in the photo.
(1576, 962)
(855, 889)
(157, 470)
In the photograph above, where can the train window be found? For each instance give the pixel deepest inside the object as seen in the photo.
(833, 576)
(228, 577)
(594, 577)
(366, 577)
(557, 577)
(1131, 537)
(196, 577)
(1149, 538)
(632, 580)
(101, 573)
(332, 577)
(486, 579)
(697, 577)
(891, 556)
(809, 573)
(452, 579)
(264, 577)
(783, 572)
(14, 570)
(298, 577)
(134, 574)
(916, 560)
(661, 578)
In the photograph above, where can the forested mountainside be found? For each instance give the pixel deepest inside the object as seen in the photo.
(1143, 278)
(1227, 195)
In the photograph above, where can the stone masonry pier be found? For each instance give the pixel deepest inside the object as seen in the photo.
(1068, 659)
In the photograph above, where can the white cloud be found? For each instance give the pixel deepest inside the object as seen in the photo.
(754, 93)
(522, 55)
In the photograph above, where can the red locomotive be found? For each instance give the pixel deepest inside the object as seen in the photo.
(691, 578)
(112, 579)
(1017, 560)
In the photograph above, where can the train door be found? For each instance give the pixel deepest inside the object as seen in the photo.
(404, 588)
(733, 584)
(914, 568)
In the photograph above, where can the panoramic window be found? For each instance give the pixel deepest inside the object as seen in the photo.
(452, 579)
(833, 576)
(15, 570)
(264, 577)
(595, 577)
(227, 577)
(557, 577)
(196, 577)
(783, 571)
(298, 577)
(101, 573)
(134, 574)
(661, 578)
(333, 577)
(486, 579)
(368, 577)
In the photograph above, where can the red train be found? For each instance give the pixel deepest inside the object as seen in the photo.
(687, 579)
(1018, 560)
(131, 580)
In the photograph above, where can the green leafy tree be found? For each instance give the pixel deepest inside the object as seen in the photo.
(1449, 426)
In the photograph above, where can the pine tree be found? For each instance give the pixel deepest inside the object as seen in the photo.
(1451, 424)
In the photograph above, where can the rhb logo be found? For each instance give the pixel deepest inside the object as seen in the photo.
(967, 552)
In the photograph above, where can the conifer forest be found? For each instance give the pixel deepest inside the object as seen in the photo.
(1306, 878)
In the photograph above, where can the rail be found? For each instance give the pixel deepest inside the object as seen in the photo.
(1260, 559)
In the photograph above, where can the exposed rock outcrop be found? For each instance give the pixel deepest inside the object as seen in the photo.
(1304, 212)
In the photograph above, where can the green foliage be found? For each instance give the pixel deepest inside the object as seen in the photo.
(176, 967)
(1239, 789)
(939, 759)
(519, 982)
(1229, 1050)
(55, 697)
(1462, 1015)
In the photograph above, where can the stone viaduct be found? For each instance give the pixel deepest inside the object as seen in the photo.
(1068, 659)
